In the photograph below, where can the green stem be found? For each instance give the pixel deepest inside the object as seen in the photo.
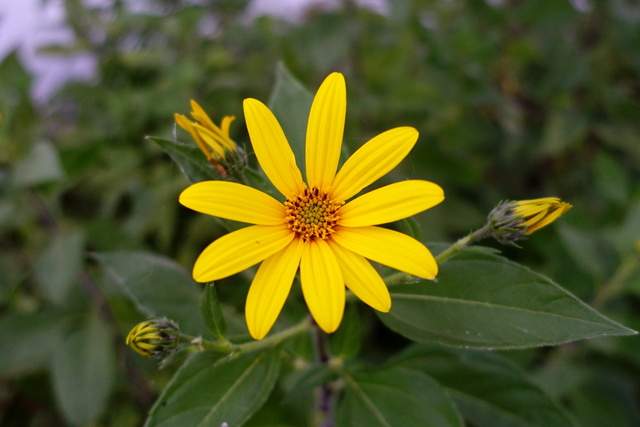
(237, 349)
(470, 238)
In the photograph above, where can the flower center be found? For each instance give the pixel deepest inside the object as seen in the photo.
(312, 214)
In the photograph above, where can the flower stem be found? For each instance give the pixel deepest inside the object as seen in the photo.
(236, 349)
(470, 238)
(324, 403)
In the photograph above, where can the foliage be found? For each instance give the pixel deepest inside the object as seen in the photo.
(513, 100)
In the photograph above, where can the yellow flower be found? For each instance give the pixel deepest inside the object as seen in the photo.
(316, 228)
(537, 213)
(214, 141)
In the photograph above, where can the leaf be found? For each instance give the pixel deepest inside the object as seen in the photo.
(212, 312)
(191, 161)
(206, 392)
(33, 339)
(157, 285)
(347, 340)
(59, 264)
(40, 165)
(290, 102)
(488, 389)
(395, 397)
(484, 301)
(83, 369)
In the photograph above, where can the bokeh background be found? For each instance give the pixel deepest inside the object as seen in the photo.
(514, 99)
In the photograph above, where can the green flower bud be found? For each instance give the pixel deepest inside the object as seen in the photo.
(154, 338)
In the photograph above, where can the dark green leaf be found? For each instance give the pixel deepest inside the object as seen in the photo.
(59, 264)
(485, 301)
(346, 341)
(395, 397)
(32, 339)
(290, 102)
(83, 370)
(157, 285)
(488, 389)
(212, 312)
(189, 158)
(210, 392)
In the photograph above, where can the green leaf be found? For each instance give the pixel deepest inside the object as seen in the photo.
(58, 266)
(210, 392)
(395, 397)
(488, 389)
(347, 340)
(41, 164)
(212, 312)
(290, 102)
(191, 161)
(157, 285)
(32, 339)
(484, 301)
(83, 369)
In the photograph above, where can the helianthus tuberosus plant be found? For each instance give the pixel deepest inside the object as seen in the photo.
(315, 243)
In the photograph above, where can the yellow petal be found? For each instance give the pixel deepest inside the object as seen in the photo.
(200, 115)
(362, 279)
(270, 288)
(233, 201)
(324, 131)
(322, 284)
(187, 125)
(390, 203)
(390, 248)
(240, 250)
(272, 149)
(373, 160)
(210, 139)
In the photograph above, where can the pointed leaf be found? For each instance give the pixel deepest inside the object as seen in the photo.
(488, 389)
(212, 312)
(189, 158)
(347, 340)
(485, 301)
(157, 285)
(395, 397)
(204, 392)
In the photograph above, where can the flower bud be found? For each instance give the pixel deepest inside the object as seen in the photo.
(154, 338)
(514, 220)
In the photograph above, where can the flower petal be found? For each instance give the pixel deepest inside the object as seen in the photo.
(322, 284)
(233, 201)
(390, 203)
(324, 131)
(240, 250)
(270, 288)
(373, 160)
(362, 279)
(272, 149)
(390, 248)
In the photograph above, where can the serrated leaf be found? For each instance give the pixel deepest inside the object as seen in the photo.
(488, 389)
(82, 370)
(157, 285)
(191, 161)
(395, 397)
(58, 265)
(206, 391)
(212, 312)
(488, 302)
(290, 102)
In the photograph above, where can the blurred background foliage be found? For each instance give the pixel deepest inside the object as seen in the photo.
(513, 100)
